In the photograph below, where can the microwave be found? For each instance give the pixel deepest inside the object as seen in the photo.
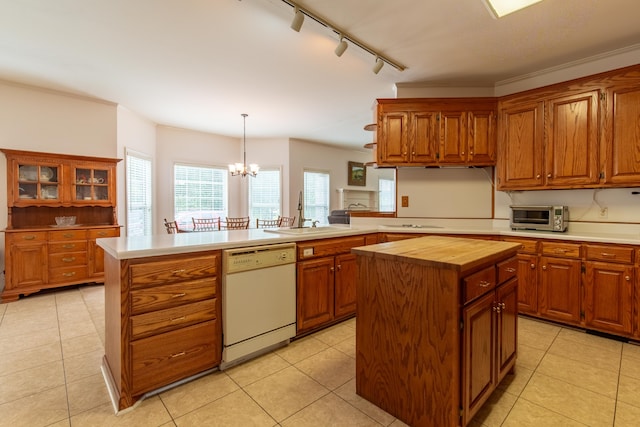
(543, 218)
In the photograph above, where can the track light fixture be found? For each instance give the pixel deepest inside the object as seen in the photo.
(298, 19)
(342, 46)
(378, 65)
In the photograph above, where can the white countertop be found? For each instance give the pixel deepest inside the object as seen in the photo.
(167, 244)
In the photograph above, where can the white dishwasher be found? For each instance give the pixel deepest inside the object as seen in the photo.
(258, 300)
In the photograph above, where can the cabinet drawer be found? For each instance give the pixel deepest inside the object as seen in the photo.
(507, 269)
(67, 274)
(528, 246)
(161, 272)
(565, 250)
(161, 297)
(609, 253)
(18, 238)
(67, 259)
(77, 246)
(162, 359)
(64, 235)
(156, 322)
(104, 232)
(328, 247)
(479, 283)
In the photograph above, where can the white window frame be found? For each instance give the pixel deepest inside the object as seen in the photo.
(309, 206)
(392, 194)
(183, 217)
(276, 207)
(147, 205)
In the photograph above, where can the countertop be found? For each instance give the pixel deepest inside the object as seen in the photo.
(440, 251)
(167, 244)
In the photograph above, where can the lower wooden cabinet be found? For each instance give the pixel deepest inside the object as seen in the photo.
(163, 322)
(608, 297)
(528, 283)
(39, 259)
(559, 292)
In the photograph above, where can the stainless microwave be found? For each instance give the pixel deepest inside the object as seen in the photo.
(544, 218)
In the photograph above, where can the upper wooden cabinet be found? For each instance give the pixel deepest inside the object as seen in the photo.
(577, 134)
(436, 132)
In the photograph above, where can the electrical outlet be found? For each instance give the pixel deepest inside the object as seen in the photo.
(604, 212)
(405, 201)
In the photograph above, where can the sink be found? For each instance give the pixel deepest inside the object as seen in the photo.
(413, 226)
(305, 230)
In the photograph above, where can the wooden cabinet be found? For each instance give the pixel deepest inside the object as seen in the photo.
(426, 132)
(40, 187)
(443, 312)
(489, 333)
(326, 288)
(528, 267)
(549, 140)
(560, 279)
(609, 288)
(163, 322)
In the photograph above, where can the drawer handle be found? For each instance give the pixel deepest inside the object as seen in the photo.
(510, 270)
(182, 353)
(178, 295)
(560, 250)
(69, 246)
(29, 237)
(177, 319)
(607, 255)
(70, 259)
(182, 270)
(71, 274)
(68, 235)
(484, 284)
(102, 233)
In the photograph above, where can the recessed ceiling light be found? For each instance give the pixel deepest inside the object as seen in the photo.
(500, 8)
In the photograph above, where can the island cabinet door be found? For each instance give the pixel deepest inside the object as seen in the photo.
(507, 326)
(315, 297)
(345, 285)
(478, 374)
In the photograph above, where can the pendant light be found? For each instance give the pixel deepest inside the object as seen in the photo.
(241, 168)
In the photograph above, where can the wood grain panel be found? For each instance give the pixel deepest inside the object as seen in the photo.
(160, 272)
(161, 297)
(160, 321)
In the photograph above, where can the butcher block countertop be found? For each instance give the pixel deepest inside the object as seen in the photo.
(454, 253)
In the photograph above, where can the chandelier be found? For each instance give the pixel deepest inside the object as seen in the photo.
(241, 168)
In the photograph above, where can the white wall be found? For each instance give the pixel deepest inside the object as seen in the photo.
(35, 119)
(138, 134)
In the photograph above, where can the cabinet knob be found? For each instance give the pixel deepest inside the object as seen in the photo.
(339, 267)
(544, 267)
(533, 266)
(627, 278)
(332, 269)
(549, 175)
(537, 176)
(502, 305)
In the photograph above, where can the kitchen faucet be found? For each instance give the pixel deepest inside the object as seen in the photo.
(301, 218)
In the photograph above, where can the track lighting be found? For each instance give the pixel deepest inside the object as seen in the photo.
(298, 19)
(378, 65)
(342, 46)
(345, 39)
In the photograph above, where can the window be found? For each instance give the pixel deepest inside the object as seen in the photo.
(138, 194)
(264, 194)
(200, 192)
(387, 195)
(316, 196)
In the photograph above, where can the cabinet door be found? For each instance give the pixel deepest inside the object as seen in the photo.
(37, 183)
(92, 184)
(520, 146)
(393, 134)
(608, 297)
(423, 137)
(481, 138)
(315, 292)
(528, 283)
(28, 264)
(478, 375)
(559, 297)
(572, 130)
(345, 285)
(453, 137)
(507, 327)
(621, 137)
(96, 253)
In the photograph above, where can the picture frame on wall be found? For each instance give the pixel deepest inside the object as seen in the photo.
(357, 174)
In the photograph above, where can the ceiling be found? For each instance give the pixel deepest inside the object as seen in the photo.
(199, 64)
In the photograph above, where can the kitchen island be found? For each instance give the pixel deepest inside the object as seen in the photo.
(437, 326)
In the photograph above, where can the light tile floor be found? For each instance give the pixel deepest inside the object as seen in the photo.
(51, 346)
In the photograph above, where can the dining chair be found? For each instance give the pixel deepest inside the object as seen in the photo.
(267, 223)
(286, 221)
(172, 227)
(206, 224)
(238, 223)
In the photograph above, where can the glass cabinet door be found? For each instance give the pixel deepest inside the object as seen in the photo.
(91, 184)
(38, 182)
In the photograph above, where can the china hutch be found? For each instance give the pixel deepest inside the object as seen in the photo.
(40, 187)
